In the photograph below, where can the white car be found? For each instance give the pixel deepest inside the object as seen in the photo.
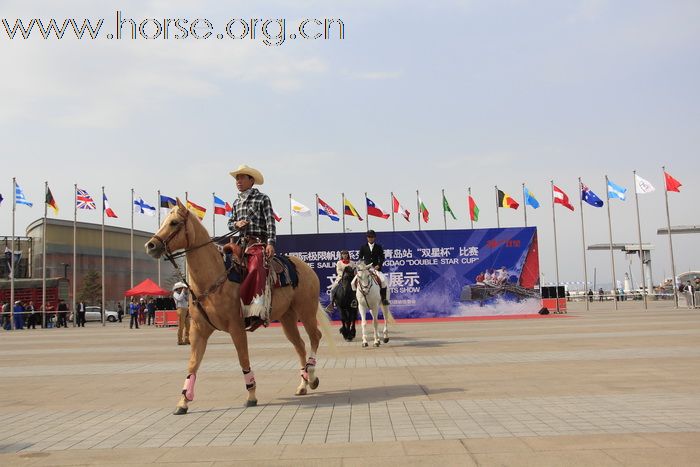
(93, 313)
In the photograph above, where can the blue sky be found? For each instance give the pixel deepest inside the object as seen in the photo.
(419, 95)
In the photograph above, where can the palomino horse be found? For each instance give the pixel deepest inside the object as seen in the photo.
(344, 298)
(369, 299)
(215, 303)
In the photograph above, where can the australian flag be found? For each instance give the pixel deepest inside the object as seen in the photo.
(591, 198)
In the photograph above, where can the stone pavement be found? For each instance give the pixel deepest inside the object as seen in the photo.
(597, 387)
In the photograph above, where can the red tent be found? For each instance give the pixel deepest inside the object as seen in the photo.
(147, 287)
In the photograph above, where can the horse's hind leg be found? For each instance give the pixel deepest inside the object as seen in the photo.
(311, 326)
(289, 325)
(198, 345)
(385, 334)
(375, 326)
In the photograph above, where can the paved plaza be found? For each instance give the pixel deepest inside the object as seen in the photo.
(598, 387)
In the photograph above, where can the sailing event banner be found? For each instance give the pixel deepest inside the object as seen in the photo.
(436, 274)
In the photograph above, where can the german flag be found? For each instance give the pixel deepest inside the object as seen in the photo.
(51, 201)
(505, 201)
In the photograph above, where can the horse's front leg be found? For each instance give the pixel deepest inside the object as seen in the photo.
(240, 341)
(363, 316)
(385, 334)
(375, 325)
(198, 345)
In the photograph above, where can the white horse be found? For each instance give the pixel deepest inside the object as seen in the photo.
(368, 299)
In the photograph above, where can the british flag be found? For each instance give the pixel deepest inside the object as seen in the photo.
(83, 200)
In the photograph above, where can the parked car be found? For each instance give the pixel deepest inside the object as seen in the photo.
(93, 313)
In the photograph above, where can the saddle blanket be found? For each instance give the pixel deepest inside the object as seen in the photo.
(281, 266)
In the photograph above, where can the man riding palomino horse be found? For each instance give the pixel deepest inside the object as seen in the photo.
(372, 254)
(253, 218)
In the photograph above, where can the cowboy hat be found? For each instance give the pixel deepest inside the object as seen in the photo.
(179, 285)
(245, 170)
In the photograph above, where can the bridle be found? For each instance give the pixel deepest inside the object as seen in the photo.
(172, 256)
(362, 287)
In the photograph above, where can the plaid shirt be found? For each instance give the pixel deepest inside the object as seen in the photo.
(257, 209)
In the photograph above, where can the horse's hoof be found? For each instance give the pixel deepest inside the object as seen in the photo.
(365, 344)
(300, 392)
(376, 344)
(252, 403)
(386, 339)
(180, 411)
(315, 383)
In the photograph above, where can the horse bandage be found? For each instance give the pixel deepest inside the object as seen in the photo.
(249, 379)
(188, 388)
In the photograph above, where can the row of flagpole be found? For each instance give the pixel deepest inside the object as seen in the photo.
(295, 208)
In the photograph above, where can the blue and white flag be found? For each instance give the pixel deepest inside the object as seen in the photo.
(20, 198)
(616, 191)
(591, 198)
(140, 207)
(530, 199)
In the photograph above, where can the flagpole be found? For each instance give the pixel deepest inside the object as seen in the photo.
(213, 214)
(75, 243)
(104, 300)
(525, 204)
(469, 193)
(131, 237)
(317, 228)
(556, 251)
(419, 211)
(12, 256)
(393, 224)
(342, 206)
(157, 228)
(670, 239)
(498, 217)
(583, 238)
(366, 211)
(641, 251)
(291, 226)
(43, 259)
(612, 257)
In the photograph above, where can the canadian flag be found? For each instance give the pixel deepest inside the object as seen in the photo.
(398, 209)
(561, 197)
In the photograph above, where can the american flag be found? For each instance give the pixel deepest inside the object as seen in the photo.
(83, 200)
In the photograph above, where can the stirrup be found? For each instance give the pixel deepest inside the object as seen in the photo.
(385, 302)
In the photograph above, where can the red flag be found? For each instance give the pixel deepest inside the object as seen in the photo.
(671, 183)
(277, 217)
(374, 210)
(561, 198)
(398, 209)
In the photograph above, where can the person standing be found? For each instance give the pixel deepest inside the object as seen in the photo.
(19, 314)
(151, 310)
(372, 253)
(601, 294)
(252, 216)
(134, 312)
(181, 298)
(80, 317)
(62, 315)
(31, 315)
(120, 311)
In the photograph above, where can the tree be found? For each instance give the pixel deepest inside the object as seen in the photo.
(91, 290)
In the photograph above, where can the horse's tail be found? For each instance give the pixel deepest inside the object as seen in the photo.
(387, 314)
(326, 329)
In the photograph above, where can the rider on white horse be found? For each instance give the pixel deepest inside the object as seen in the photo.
(372, 254)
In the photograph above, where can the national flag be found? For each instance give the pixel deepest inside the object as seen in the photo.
(425, 214)
(591, 198)
(222, 207)
(83, 200)
(349, 209)
(197, 209)
(107, 208)
(51, 201)
(562, 198)
(277, 217)
(473, 210)
(446, 207)
(324, 209)
(616, 191)
(505, 201)
(141, 207)
(299, 209)
(642, 186)
(671, 183)
(373, 209)
(1, 198)
(167, 203)
(398, 209)
(530, 199)
(20, 198)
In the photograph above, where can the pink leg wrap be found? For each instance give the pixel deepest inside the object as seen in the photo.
(249, 379)
(311, 362)
(188, 388)
(304, 374)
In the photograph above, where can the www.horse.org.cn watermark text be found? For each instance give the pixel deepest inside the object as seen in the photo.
(270, 31)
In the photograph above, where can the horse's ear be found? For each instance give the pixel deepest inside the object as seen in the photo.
(179, 203)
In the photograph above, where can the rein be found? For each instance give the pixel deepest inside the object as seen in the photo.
(365, 288)
(172, 256)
